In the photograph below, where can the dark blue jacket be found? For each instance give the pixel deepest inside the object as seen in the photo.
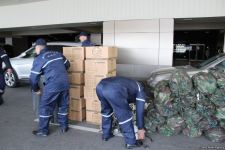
(87, 43)
(53, 65)
(136, 94)
(4, 58)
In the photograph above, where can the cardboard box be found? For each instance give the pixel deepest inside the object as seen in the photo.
(76, 91)
(93, 80)
(76, 78)
(74, 53)
(77, 104)
(90, 93)
(77, 66)
(93, 105)
(101, 52)
(100, 67)
(77, 115)
(94, 117)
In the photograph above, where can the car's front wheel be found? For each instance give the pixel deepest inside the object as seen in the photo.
(11, 79)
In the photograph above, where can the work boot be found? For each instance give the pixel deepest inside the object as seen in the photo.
(106, 139)
(1, 100)
(64, 130)
(39, 133)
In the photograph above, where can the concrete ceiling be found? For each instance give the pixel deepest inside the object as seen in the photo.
(94, 27)
(217, 23)
(16, 2)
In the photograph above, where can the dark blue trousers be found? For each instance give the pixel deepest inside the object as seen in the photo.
(46, 108)
(2, 84)
(114, 99)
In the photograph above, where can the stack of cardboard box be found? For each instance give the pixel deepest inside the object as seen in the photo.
(76, 56)
(100, 63)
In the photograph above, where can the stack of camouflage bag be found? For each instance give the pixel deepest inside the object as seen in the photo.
(192, 106)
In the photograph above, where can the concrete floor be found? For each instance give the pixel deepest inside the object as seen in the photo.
(16, 124)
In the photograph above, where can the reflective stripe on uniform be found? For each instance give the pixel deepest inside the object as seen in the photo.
(4, 55)
(126, 121)
(139, 89)
(52, 61)
(63, 114)
(42, 116)
(65, 61)
(107, 116)
(139, 99)
(35, 72)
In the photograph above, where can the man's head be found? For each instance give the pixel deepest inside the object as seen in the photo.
(39, 45)
(83, 36)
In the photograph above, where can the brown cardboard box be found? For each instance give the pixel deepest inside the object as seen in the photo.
(77, 66)
(74, 53)
(93, 117)
(77, 115)
(101, 52)
(76, 91)
(76, 78)
(93, 80)
(90, 93)
(100, 67)
(93, 105)
(77, 104)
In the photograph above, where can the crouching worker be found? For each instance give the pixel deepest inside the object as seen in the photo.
(115, 94)
(4, 58)
(53, 65)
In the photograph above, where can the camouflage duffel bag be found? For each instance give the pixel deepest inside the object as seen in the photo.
(218, 98)
(192, 131)
(176, 123)
(167, 131)
(205, 108)
(162, 92)
(180, 83)
(219, 74)
(208, 123)
(215, 134)
(192, 117)
(153, 120)
(205, 83)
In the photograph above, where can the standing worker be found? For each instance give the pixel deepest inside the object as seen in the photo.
(115, 94)
(83, 37)
(53, 65)
(3, 58)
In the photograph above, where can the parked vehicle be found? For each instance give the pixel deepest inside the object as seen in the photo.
(22, 64)
(164, 73)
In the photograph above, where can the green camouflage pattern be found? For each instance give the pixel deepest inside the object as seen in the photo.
(222, 123)
(207, 123)
(180, 83)
(192, 117)
(215, 134)
(219, 74)
(218, 98)
(205, 83)
(220, 113)
(167, 131)
(192, 131)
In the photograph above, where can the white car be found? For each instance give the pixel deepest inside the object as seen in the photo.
(22, 64)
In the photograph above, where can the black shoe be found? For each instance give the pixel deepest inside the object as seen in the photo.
(136, 145)
(38, 133)
(106, 139)
(1, 101)
(64, 130)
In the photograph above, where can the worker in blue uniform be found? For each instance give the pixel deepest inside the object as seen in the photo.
(83, 37)
(4, 58)
(53, 65)
(115, 94)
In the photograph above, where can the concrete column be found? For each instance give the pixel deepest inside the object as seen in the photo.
(166, 31)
